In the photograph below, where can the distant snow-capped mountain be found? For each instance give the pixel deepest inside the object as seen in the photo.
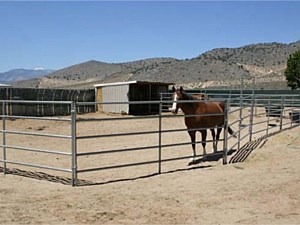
(23, 74)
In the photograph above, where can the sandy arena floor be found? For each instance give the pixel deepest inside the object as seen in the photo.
(261, 188)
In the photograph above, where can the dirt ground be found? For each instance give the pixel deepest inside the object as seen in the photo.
(261, 187)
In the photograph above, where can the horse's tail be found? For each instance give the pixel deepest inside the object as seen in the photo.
(231, 132)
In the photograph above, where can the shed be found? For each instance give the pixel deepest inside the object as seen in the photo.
(4, 91)
(5, 85)
(4, 95)
(130, 91)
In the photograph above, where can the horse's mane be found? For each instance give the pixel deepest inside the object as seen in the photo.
(186, 96)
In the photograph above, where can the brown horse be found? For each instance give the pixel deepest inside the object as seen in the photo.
(200, 122)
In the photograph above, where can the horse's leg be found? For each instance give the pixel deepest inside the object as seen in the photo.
(204, 134)
(213, 134)
(193, 139)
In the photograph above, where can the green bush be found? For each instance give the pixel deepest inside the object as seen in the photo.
(292, 72)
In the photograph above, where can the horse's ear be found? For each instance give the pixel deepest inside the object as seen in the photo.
(181, 89)
(173, 89)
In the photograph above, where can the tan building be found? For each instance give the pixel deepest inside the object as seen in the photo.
(130, 91)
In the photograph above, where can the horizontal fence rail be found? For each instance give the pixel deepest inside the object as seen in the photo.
(159, 132)
(8, 132)
(250, 116)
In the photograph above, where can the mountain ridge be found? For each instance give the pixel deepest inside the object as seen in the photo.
(220, 67)
(22, 74)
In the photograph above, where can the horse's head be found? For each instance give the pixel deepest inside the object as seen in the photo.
(177, 95)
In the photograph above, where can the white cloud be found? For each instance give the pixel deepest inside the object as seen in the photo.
(39, 68)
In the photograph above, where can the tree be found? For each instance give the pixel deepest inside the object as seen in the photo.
(292, 71)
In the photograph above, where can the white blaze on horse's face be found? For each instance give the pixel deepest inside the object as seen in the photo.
(174, 109)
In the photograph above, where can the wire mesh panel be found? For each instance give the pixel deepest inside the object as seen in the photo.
(47, 109)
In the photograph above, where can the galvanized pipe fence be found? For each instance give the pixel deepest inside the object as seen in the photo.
(245, 114)
(6, 131)
(262, 115)
(159, 132)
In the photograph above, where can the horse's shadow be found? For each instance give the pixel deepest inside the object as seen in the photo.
(212, 157)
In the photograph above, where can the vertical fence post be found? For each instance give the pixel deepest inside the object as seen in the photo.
(53, 105)
(240, 120)
(251, 117)
(74, 143)
(281, 112)
(4, 136)
(225, 143)
(255, 107)
(268, 112)
(159, 135)
(291, 113)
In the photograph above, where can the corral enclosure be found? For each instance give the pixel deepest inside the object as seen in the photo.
(99, 148)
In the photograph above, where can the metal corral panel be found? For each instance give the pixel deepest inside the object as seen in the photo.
(117, 93)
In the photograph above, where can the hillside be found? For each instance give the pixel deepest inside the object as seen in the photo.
(220, 67)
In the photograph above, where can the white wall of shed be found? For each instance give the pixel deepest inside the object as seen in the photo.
(116, 94)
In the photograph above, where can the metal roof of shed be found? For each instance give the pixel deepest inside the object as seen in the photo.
(4, 85)
(130, 82)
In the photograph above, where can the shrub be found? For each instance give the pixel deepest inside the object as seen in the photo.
(292, 71)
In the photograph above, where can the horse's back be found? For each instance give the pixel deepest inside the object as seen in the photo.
(210, 115)
(211, 107)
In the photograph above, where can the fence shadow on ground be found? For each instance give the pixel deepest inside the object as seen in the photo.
(243, 153)
(145, 176)
(68, 181)
(210, 157)
(42, 176)
(240, 156)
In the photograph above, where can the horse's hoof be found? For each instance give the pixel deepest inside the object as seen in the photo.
(192, 161)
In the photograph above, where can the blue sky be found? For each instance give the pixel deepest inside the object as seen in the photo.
(55, 35)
